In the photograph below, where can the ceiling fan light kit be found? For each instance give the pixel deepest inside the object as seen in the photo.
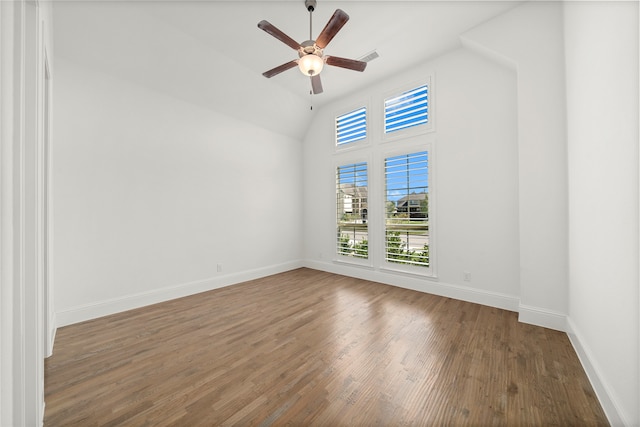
(311, 52)
(310, 64)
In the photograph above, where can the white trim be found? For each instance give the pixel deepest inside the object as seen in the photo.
(352, 260)
(351, 263)
(19, 351)
(22, 333)
(7, 229)
(45, 198)
(408, 281)
(31, 308)
(141, 299)
(18, 175)
(542, 317)
(408, 270)
(608, 401)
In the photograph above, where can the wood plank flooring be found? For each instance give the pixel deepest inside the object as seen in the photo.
(313, 348)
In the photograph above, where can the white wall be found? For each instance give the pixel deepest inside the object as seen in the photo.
(476, 178)
(152, 193)
(530, 38)
(601, 43)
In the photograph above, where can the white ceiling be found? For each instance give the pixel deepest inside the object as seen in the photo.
(211, 53)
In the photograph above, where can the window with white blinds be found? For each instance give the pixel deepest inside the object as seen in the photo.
(407, 209)
(411, 108)
(352, 210)
(351, 127)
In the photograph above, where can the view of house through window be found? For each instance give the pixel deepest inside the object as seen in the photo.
(352, 210)
(407, 209)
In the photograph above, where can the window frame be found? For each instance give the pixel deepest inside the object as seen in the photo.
(342, 161)
(360, 143)
(412, 130)
(373, 150)
(414, 145)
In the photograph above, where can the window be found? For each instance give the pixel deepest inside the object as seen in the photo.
(393, 160)
(407, 209)
(408, 109)
(351, 127)
(351, 209)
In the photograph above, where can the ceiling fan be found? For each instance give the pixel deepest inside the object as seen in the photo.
(311, 52)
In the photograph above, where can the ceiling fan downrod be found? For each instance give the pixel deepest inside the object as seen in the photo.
(311, 6)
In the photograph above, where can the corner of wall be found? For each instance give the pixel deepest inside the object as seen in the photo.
(474, 46)
(603, 391)
(542, 317)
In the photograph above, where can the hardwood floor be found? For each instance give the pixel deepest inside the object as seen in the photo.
(313, 348)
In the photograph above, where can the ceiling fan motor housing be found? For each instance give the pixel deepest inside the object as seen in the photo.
(309, 47)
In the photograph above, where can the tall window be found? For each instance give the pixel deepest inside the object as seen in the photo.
(351, 127)
(408, 109)
(352, 210)
(407, 209)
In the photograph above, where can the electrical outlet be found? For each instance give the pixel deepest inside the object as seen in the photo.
(219, 268)
(466, 276)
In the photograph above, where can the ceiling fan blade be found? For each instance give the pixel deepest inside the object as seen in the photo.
(350, 64)
(336, 22)
(275, 32)
(316, 84)
(280, 68)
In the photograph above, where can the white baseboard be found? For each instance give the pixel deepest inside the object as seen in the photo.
(542, 317)
(129, 302)
(603, 391)
(463, 293)
(527, 314)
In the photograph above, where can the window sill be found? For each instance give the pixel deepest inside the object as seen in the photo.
(428, 276)
(366, 266)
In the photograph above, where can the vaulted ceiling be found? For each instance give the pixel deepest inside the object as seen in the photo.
(212, 54)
